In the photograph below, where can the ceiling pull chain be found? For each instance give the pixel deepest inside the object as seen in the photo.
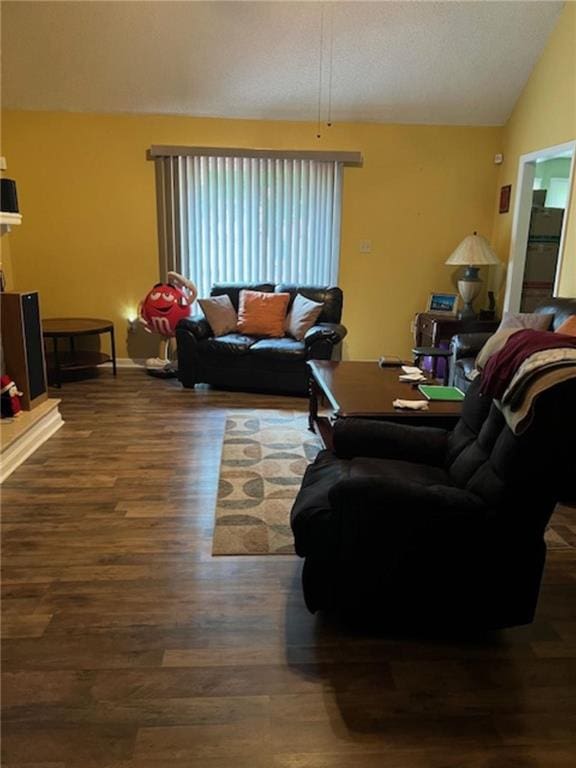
(330, 65)
(320, 67)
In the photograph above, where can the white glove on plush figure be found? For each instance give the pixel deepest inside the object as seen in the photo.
(187, 285)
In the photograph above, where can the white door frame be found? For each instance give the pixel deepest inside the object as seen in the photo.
(521, 222)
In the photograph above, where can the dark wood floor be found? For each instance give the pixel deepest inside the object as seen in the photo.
(129, 646)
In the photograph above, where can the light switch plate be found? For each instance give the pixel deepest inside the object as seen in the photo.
(365, 246)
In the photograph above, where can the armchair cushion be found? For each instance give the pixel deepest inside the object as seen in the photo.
(279, 348)
(230, 344)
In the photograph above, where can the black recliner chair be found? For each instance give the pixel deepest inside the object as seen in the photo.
(418, 525)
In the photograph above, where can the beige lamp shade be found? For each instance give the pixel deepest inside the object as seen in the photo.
(474, 250)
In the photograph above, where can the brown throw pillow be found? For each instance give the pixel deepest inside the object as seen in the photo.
(262, 314)
(220, 314)
(535, 320)
(568, 326)
(302, 316)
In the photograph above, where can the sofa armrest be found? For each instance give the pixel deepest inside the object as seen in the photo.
(467, 344)
(326, 332)
(381, 439)
(197, 325)
(189, 332)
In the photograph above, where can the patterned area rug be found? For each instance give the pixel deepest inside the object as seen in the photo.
(264, 457)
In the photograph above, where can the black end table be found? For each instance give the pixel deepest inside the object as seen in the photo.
(56, 328)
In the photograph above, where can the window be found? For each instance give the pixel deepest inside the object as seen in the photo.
(557, 196)
(227, 218)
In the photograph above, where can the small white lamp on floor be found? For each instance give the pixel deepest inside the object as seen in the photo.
(473, 252)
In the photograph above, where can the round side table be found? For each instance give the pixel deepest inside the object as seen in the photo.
(56, 328)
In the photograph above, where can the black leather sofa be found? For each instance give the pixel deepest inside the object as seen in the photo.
(465, 346)
(422, 526)
(236, 361)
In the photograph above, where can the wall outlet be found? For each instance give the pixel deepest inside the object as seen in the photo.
(365, 246)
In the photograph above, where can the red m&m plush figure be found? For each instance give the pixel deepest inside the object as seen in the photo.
(160, 311)
(163, 307)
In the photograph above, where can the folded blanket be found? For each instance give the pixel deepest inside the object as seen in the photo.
(538, 373)
(502, 367)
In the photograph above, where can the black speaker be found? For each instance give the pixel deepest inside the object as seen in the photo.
(22, 346)
(8, 196)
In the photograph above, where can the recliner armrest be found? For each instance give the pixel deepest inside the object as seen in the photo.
(468, 344)
(326, 332)
(197, 325)
(382, 439)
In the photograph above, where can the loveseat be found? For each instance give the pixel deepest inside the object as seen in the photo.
(237, 361)
(465, 346)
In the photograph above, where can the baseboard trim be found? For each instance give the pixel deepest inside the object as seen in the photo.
(128, 362)
(23, 447)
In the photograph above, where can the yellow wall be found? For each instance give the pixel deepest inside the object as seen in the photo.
(88, 238)
(544, 116)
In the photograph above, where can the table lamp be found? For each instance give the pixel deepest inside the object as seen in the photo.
(473, 252)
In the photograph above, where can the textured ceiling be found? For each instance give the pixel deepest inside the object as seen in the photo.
(415, 62)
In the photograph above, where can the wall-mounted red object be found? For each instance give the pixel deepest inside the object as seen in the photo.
(505, 193)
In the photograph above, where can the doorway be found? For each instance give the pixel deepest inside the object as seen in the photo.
(539, 226)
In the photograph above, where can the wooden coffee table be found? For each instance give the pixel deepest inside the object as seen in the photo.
(364, 390)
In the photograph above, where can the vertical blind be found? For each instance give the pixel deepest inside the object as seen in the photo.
(249, 219)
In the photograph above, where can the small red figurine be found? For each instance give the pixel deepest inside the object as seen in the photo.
(10, 395)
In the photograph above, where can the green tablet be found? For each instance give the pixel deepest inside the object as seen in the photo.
(436, 392)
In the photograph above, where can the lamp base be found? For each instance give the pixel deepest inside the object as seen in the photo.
(469, 286)
(467, 313)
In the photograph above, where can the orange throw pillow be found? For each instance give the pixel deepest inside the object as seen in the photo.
(262, 314)
(568, 326)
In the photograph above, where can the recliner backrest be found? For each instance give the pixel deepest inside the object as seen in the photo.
(522, 474)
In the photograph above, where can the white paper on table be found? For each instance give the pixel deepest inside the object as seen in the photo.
(412, 377)
(411, 405)
(411, 369)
